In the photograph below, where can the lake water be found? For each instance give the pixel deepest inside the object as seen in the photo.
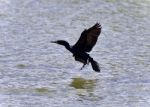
(36, 73)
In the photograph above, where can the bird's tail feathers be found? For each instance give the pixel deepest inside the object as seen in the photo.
(95, 66)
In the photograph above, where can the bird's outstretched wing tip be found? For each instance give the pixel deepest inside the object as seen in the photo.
(98, 25)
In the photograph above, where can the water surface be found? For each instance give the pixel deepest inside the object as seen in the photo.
(36, 73)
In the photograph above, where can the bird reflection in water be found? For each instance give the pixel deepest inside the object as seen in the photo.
(85, 88)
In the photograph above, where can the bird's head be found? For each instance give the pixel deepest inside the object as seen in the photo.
(61, 42)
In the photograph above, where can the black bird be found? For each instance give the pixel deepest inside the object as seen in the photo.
(85, 44)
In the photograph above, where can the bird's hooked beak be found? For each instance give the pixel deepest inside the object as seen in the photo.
(53, 41)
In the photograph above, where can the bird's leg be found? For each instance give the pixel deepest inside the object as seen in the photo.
(88, 61)
(82, 66)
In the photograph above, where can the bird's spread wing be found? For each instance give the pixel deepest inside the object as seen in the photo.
(88, 38)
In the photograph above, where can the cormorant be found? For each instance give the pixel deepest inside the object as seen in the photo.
(85, 44)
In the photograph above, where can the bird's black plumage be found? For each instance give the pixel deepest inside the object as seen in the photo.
(85, 44)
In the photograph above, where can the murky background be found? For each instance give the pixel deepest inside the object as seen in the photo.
(36, 73)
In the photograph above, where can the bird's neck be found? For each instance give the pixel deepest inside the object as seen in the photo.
(68, 47)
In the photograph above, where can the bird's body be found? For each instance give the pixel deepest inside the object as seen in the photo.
(85, 44)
